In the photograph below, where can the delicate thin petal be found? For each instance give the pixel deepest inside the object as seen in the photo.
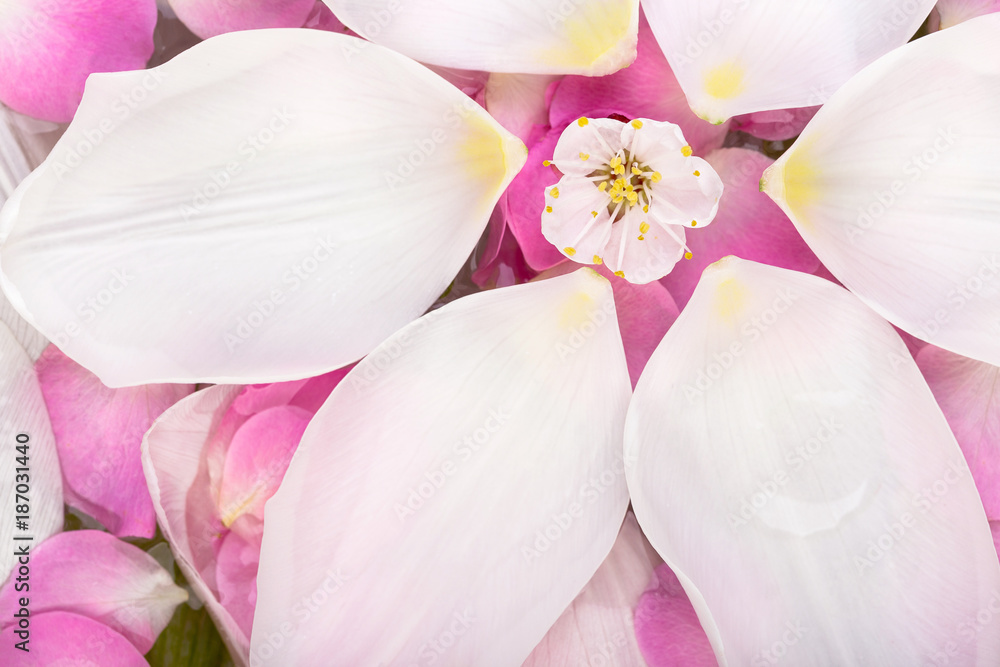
(790, 465)
(49, 47)
(738, 57)
(208, 18)
(894, 186)
(748, 224)
(98, 433)
(237, 578)
(598, 628)
(476, 454)
(775, 125)
(667, 626)
(953, 12)
(94, 574)
(65, 639)
(518, 101)
(30, 456)
(196, 242)
(966, 390)
(592, 37)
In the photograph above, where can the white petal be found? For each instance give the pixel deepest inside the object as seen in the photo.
(569, 221)
(592, 37)
(643, 260)
(788, 461)
(23, 417)
(739, 57)
(477, 459)
(599, 627)
(276, 204)
(172, 453)
(894, 186)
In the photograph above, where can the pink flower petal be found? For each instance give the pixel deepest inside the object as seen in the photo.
(71, 640)
(645, 89)
(775, 125)
(519, 102)
(237, 578)
(208, 18)
(598, 627)
(748, 225)
(966, 390)
(48, 48)
(667, 626)
(94, 574)
(98, 431)
(953, 12)
(524, 200)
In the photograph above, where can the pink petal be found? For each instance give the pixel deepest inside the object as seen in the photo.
(966, 390)
(645, 89)
(520, 102)
(775, 125)
(316, 390)
(70, 640)
(524, 199)
(237, 578)
(598, 627)
(667, 626)
(98, 432)
(94, 574)
(953, 12)
(208, 18)
(748, 225)
(323, 18)
(48, 48)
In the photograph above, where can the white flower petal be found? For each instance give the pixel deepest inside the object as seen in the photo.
(592, 37)
(36, 466)
(788, 461)
(894, 186)
(477, 458)
(640, 250)
(577, 220)
(739, 56)
(275, 204)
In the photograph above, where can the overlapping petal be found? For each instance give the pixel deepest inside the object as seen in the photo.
(64, 638)
(98, 432)
(739, 56)
(790, 465)
(894, 186)
(667, 626)
(30, 459)
(592, 37)
(208, 18)
(264, 206)
(49, 47)
(953, 12)
(495, 420)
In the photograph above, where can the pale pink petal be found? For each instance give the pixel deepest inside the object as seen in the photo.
(966, 390)
(315, 391)
(953, 12)
(502, 263)
(98, 431)
(208, 18)
(62, 639)
(48, 48)
(172, 460)
(94, 574)
(598, 627)
(519, 102)
(237, 578)
(775, 125)
(667, 626)
(524, 200)
(323, 18)
(748, 225)
(645, 89)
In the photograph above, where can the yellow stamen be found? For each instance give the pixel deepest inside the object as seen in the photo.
(548, 209)
(582, 122)
(598, 260)
(569, 251)
(641, 237)
(620, 274)
(656, 177)
(688, 255)
(644, 227)
(554, 192)
(603, 186)
(697, 173)
(686, 151)
(694, 223)
(546, 163)
(594, 213)
(637, 124)
(584, 156)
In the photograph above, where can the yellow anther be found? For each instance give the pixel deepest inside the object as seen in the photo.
(603, 186)
(697, 173)
(546, 163)
(594, 213)
(582, 122)
(688, 255)
(584, 156)
(645, 209)
(656, 177)
(644, 227)
(615, 161)
(620, 274)
(633, 198)
(620, 169)
(618, 198)
(686, 151)
(629, 188)
(598, 260)
(640, 237)
(569, 251)
(554, 192)
(637, 124)
(636, 171)
(548, 209)
(694, 223)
